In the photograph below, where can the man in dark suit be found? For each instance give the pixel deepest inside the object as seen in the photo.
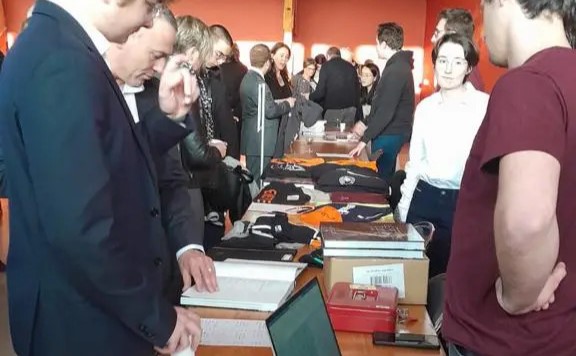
(132, 63)
(251, 139)
(338, 90)
(86, 263)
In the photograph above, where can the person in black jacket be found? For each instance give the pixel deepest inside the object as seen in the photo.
(338, 90)
(277, 77)
(389, 123)
(232, 72)
(225, 125)
(132, 63)
(369, 77)
(87, 245)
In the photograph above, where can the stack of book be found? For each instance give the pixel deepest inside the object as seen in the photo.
(363, 240)
(249, 285)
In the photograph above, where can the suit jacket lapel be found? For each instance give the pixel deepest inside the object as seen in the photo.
(147, 100)
(66, 20)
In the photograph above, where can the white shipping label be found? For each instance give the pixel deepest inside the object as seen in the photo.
(384, 275)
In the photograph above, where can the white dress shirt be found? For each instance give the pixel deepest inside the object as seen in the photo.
(129, 93)
(442, 137)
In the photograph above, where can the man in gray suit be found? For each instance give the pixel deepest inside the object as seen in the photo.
(250, 144)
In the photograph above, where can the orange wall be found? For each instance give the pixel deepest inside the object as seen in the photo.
(247, 20)
(331, 22)
(346, 23)
(15, 12)
(489, 72)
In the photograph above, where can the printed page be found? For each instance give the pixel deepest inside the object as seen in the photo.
(288, 265)
(235, 332)
(332, 155)
(384, 275)
(264, 270)
(241, 293)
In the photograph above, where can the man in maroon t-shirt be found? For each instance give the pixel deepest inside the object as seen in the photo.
(511, 280)
(458, 21)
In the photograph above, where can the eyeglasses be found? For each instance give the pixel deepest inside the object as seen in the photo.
(457, 63)
(221, 56)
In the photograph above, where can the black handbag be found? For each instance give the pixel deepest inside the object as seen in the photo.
(228, 190)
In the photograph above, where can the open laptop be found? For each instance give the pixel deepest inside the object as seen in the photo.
(301, 326)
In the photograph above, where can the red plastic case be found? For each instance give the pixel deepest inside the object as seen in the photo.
(363, 308)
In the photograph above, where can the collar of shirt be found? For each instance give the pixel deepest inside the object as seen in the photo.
(258, 70)
(467, 99)
(127, 89)
(76, 9)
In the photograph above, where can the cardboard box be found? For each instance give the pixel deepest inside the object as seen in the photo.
(340, 269)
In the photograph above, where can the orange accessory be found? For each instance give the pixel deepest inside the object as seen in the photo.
(304, 162)
(322, 214)
(363, 164)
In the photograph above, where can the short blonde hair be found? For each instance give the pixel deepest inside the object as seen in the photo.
(193, 33)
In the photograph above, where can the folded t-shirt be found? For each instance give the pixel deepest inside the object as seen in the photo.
(282, 193)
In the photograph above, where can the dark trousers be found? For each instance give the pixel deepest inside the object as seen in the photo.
(390, 146)
(253, 165)
(436, 206)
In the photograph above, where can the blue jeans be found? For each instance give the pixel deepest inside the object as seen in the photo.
(436, 206)
(390, 146)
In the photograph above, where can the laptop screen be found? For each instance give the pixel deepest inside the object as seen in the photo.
(301, 326)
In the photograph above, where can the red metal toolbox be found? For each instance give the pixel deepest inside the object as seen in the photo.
(363, 308)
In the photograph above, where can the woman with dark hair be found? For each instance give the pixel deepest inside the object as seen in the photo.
(320, 60)
(445, 125)
(369, 77)
(302, 82)
(277, 78)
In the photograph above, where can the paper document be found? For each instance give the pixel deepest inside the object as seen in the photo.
(186, 352)
(384, 275)
(234, 332)
(251, 285)
(333, 155)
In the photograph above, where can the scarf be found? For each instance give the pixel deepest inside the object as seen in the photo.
(206, 105)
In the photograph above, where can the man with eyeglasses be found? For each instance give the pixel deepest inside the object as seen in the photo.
(86, 262)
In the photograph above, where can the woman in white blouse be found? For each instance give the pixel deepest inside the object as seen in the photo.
(445, 125)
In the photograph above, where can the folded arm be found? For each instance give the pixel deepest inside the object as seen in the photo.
(525, 225)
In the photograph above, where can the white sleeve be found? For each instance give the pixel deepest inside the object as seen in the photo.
(415, 161)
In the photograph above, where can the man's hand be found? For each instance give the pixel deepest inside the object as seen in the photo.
(358, 149)
(186, 333)
(220, 145)
(359, 129)
(196, 265)
(545, 298)
(178, 88)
